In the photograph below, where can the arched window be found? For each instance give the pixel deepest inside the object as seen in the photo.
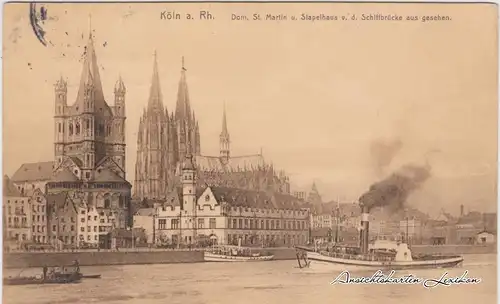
(77, 128)
(107, 203)
(70, 128)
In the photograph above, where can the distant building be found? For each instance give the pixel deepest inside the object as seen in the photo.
(230, 215)
(17, 214)
(486, 237)
(31, 176)
(38, 202)
(144, 218)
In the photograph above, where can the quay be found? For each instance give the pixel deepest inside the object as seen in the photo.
(136, 256)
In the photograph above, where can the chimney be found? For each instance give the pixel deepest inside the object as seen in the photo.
(364, 233)
(461, 210)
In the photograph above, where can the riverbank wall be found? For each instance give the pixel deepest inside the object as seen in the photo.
(131, 257)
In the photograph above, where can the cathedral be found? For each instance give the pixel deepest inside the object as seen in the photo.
(89, 147)
(164, 140)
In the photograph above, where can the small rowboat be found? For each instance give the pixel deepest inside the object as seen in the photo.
(38, 280)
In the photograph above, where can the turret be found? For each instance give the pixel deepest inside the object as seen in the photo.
(189, 183)
(61, 94)
(224, 138)
(120, 91)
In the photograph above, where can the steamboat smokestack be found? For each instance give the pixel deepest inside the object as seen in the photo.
(365, 226)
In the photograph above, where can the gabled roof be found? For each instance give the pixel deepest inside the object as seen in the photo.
(106, 175)
(65, 176)
(56, 201)
(41, 171)
(9, 189)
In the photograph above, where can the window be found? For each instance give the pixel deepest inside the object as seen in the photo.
(88, 238)
(107, 204)
(162, 224)
(201, 223)
(82, 212)
(95, 228)
(82, 220)
(207, 198)
(72, 228)
(95, 218)
(88, 228)
(77, 128)
(70, 129)
(212, 223)
(175, 223)
(240, 223)
(89, 218)
(82, 229)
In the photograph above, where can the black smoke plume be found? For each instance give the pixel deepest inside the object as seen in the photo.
(395, 189)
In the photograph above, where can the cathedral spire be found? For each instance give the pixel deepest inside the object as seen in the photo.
(224, 138)
(183, 107)
(155, 101)
(224, 132)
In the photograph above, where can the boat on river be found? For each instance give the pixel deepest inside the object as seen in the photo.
(397, 257)
(56, 275)
(56, 278)
(235, 254)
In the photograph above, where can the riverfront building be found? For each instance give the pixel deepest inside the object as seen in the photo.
(226, 215)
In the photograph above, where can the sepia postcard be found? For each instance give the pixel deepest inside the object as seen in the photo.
(245, 152)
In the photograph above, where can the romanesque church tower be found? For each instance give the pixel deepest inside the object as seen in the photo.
(89, 143)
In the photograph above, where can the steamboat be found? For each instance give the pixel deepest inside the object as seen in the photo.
(393, 256)
(235, 254)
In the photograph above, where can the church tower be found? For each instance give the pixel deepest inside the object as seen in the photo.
(224, 139)
(187, 129)
(90, 143)
(151, 168)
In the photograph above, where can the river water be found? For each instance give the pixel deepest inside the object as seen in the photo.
(259, 282)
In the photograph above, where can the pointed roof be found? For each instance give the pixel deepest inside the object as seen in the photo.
(155, 102)
(183, 107)
(90, 72)
(224, 132)
(65, 176)
(9, 189)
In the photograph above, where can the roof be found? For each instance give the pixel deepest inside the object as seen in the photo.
(106, 175)
(145, 212)
(9, 189)
(65, 176)
(56, 201)
(488, 232)
(34, 172)
(235, 163)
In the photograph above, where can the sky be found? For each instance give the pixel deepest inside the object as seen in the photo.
(316, 97)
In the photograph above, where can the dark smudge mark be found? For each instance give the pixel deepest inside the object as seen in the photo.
(34, 20)
(105, 43)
